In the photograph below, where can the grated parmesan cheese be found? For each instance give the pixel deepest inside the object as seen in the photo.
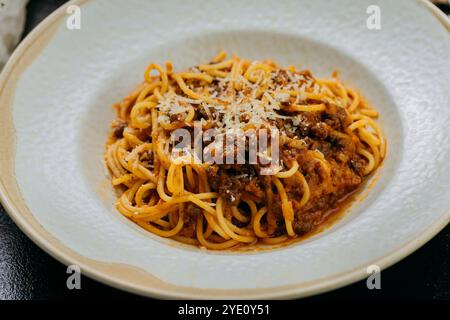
(235, 109)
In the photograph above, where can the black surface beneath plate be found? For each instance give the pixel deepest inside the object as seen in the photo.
(27, 272)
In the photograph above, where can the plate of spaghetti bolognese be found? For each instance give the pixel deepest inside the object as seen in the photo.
(251, 153)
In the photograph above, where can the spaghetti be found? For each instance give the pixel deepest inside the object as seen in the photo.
(329, 142)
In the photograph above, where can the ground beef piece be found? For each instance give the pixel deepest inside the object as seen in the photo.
(288, 155)
(230, 180)
(191, 214)
(308, 220)
(281, 77)
(358, 165)
(146, 159)
(203, 114)
(305, 224)
(306, 121)
(280, 123)
(254, 187)
(245, 118)
(176, 117)
(118, 127)
(275, 219)
(280, 227)
(336, 117)
(265, 181)
(320, 130)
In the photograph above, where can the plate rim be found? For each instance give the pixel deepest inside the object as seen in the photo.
(70, 257)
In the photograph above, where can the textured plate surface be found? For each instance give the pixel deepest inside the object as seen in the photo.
(61, 110)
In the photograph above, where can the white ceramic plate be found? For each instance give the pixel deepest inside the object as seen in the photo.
(56, 96)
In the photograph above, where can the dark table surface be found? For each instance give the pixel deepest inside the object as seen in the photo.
(27, 272)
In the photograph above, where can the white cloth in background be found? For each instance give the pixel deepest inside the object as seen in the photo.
(12, 20)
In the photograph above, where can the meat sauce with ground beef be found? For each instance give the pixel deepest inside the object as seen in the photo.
(315, 131)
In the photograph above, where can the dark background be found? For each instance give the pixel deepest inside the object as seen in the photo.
(27, 272)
